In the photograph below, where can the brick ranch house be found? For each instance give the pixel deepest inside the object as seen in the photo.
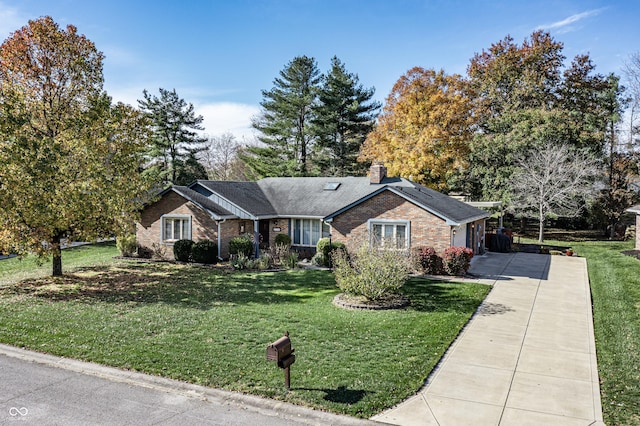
(384, 210)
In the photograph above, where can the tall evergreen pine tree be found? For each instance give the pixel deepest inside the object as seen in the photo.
(175, 141)
(343, 118)
(285, 123)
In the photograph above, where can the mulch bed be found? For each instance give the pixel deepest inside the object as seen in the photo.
(392, 301)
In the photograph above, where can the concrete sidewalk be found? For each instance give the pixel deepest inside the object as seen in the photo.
(527, 357)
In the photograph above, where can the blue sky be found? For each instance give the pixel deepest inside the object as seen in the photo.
(220, 54)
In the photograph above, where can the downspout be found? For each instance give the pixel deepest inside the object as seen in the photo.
(220, 222)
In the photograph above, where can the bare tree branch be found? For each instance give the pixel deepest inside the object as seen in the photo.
(552, 181)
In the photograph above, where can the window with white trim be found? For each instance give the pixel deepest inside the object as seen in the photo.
(307, 232)
(389, 233)
(176, 228)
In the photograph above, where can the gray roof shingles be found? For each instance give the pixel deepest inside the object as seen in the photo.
(212, 208)
(307, 197)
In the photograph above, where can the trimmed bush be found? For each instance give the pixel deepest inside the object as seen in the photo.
(127, 245)
(241, 245)
(205, 251)
(457, 260)
(282, 240)
(182, 250)
(370, 272)
(324, 248)
(429, 260)
(319, 259)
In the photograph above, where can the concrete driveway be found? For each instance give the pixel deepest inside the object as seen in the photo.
(527, 357)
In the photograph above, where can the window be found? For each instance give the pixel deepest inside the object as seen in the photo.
(389, 234)
(176, 228)
(307, 232)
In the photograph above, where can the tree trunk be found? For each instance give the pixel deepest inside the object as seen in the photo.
(57, 257)
(541, 226)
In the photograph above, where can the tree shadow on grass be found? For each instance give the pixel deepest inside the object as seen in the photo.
(443, 296)
(181, 285)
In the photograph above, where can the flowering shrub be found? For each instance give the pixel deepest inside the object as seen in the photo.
(370, 272)
(429, 260)
(457, 260)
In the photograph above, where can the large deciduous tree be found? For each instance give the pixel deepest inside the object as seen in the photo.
(221, 158)
(424, 130)
(522, 95)
(69, 159)
(632, 77)
(552, 180)
(285, 123)
(344, 117)
(175, 137)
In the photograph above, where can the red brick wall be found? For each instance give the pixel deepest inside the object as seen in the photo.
(148, 230)
(426, 229)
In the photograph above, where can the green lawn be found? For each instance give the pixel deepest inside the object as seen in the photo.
(615, 291)
(211, 326)
(16, 269)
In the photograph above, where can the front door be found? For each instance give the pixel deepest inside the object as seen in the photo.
(263, 229)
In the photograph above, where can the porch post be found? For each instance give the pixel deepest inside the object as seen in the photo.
(256, 238)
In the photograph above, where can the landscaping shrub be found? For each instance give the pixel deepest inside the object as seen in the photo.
(457, 260)
(240, 261)
(205, 251)
(282, 239)
(319, 259)
(241, 244)
(280, 252)
(145, 252)
(324, 248)
(265, 261)
(182, 250)
(127, 245)
(291, 261)
(158, 251)
(370, 272)
(429, 260)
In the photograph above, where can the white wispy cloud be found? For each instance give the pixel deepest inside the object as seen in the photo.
(219, 117)
(228, 117)
(567, 24)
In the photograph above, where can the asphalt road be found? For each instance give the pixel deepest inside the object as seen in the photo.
(45, 390)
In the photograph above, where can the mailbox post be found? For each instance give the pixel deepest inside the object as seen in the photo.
(281, 352)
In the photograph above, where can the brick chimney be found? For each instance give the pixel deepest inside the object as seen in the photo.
(377, 173)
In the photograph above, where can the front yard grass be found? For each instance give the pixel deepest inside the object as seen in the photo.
(211, 326)
(17, 269)
(615, 289)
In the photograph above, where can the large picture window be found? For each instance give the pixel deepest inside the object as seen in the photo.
(307, 232)
(389, 234)
(176, 228)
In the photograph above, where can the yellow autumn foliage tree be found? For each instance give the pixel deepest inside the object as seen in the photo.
(424, 130)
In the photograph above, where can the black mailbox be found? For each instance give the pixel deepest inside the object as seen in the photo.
(281, 352)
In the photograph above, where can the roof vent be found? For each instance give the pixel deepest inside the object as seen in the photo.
(331, 186)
